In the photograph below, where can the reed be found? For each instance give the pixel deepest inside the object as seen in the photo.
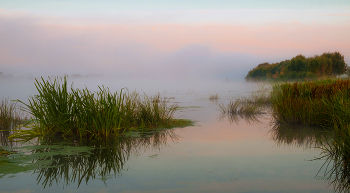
(321, 103)
(10, 118)
(214, 97)
(94, 115)
(9, 115)
(257, 103)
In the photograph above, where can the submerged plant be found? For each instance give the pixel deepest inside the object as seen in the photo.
(101, 114)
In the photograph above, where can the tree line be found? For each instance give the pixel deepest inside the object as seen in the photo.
(300, 68)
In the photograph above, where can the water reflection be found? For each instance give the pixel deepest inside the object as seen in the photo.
(250, 119)
(69, 163)
(297, 135)
(335, 150)
(336, 169)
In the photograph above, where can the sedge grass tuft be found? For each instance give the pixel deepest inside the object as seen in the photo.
(56, 110)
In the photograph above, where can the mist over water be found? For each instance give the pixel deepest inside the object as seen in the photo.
(21, 88)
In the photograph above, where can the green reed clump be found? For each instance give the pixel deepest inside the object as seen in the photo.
(83, 113)
(10, 118)
(319, 103)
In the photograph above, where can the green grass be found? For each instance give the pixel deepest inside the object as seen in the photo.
(320, 103)
(326, 104)
(57, 110)
(9, 115)
(257, 103)
(10, 118)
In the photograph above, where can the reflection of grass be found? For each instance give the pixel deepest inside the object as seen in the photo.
(249, 118)
(336, 151)
(298, 135)
(100, 114)
(61, 163)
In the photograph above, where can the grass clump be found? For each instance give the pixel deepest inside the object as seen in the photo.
(9, 115)
(214, 97)
(257, 103)
(321, 103)
(101, 114)
(10, 118)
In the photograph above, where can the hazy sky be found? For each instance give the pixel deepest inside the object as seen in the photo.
(166, 38)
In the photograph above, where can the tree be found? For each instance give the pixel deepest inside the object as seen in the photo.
(338, 64)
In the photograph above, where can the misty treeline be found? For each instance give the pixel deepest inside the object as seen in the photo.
(300, 68)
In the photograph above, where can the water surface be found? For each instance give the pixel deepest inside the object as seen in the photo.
(217, 154)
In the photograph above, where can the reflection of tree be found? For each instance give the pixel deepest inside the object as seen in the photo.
(81, 161)
(297, 135)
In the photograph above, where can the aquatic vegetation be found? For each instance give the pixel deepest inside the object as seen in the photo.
(214, 97)
(4, 152)
(9, 115)
(325, 104)
(257, 103)
(320, 103)
(94, 115)
(10, 118)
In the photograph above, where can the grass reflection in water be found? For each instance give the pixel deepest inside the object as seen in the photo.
(66, 164)
(298, 135)
(334, 146)
(336, 152)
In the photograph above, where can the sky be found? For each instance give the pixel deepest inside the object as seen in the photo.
(171, 39)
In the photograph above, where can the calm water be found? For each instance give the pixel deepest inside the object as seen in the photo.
(218, 154)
